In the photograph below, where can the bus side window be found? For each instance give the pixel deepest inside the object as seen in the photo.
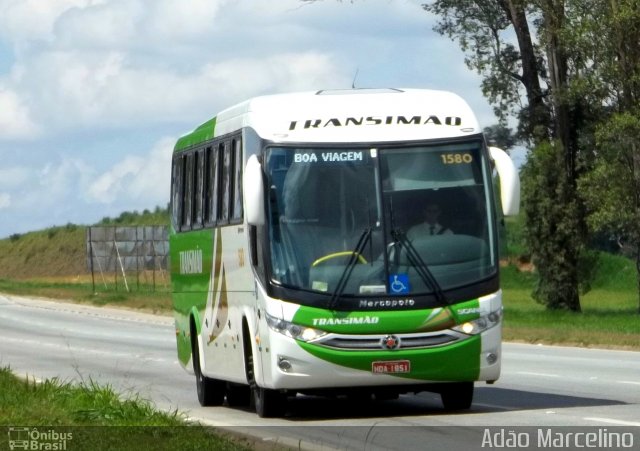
(236, 188)
(207, 186)
(216, 153)
(176, 192)
(198, 167)
(187, 190)
(224, 158)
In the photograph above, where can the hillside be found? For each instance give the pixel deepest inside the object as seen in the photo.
(55, 252)
(60, 252)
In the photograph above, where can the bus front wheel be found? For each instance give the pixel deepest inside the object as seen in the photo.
(269, 403)
(457, 396)
(238, 395)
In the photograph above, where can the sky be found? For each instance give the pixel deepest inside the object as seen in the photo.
(94, 93)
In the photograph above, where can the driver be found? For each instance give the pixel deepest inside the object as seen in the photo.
(431, 224)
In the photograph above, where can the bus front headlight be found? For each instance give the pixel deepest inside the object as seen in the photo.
(292, 330)
(481, 324)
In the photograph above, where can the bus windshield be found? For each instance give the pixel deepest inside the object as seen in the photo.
(380, 221)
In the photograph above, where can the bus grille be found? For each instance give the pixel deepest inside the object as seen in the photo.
(376, 342)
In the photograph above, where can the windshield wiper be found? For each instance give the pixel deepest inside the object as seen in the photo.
(346, 273)
(419, 264)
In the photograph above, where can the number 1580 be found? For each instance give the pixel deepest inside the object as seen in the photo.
(456, 158)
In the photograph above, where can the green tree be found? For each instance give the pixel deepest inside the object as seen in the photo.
(484, 30)
(612, 188)
(548, 120)
(575, 90)
(500, 136)
(608, 56)
(552, 220)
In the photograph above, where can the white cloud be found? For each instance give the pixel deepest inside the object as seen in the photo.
(44, 195)
(13, 177)
(72, 88)
(109, 26)
(177, 19)
(58, 181)
(137, 180)
(15, 118)
(126, 63)
(44, 191)
(241, 78)
(28, 20)
(87, 85)
(101, 90)
(136, 24)
(5, 200)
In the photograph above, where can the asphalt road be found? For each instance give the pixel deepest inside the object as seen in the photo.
(540, 386)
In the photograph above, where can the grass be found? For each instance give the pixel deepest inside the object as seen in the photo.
(145, 298)
(84, 410)
(609, 315)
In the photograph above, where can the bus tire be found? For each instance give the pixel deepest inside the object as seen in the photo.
(210, 391)
(269, 403)
(238, 395)
(457, 396)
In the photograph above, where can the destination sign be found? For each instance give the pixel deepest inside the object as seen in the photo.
(328, 156)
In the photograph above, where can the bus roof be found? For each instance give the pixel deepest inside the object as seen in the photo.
(354, 115)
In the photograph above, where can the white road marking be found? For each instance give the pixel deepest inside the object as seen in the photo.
(628, 382)
(612, 421)
(527, 373)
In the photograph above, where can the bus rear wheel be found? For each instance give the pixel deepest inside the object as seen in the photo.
(457, 396)
(210, 391)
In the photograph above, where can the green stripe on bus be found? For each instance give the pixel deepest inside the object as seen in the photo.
(203, 133)
(397, 322)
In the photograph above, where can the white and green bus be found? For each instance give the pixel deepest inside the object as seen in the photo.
(292, 263)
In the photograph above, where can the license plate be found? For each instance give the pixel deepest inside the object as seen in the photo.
(391, 367)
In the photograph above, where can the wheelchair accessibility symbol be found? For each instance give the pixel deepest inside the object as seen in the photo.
(399, 283)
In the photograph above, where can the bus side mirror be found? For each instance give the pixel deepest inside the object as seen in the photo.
(509, 181)
(253, 187)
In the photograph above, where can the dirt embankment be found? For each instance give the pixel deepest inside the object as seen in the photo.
(55, 252)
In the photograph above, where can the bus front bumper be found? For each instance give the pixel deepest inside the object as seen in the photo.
(300, 365)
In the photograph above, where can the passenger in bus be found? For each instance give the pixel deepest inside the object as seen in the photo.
(431, 224)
